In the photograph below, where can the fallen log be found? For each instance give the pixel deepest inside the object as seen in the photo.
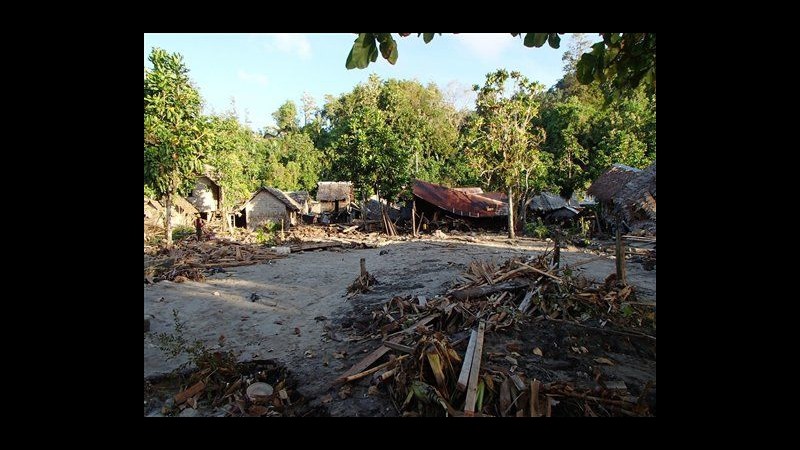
(481, 291)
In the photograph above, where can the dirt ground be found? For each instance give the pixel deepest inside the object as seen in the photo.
(295, 311)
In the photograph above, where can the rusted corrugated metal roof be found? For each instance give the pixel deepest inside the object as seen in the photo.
(459, 202)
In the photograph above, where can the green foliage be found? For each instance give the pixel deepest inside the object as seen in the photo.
(286, 118)
(267, 233)
(175, 133)
(181, 232)
(537, 229)
(501, 140)
(199, 354)
(292, 163)
(585, 135)
(238, 157)
(626, 60)
(383, 133)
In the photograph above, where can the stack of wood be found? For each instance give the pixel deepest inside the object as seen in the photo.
(388, 226)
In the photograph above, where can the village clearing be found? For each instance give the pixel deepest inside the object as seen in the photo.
(290, 320)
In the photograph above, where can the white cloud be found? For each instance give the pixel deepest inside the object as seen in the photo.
(290, 43)
(254, 77)
(487, 46)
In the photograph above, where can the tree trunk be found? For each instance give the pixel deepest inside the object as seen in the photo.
(511, 234)
(168, 219)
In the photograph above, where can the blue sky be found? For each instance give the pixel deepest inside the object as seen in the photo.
(262, 71)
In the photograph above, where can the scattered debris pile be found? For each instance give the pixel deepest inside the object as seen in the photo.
(363, 283)
(432, 378)
(189, 259)
(224, 388)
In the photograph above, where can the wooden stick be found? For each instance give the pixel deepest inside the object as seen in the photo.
(373, 370)
(463, 378)
(472, 390)
(366, 361)
(540, 271)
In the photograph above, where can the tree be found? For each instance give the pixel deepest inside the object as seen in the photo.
(501, 140)
(625, 60)
(175, 133)
(293, 163)
(286, 118)
(238, 156)
(585, 135)
(382, 133)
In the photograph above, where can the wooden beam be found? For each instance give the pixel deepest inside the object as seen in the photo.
(474, 371)
(463, 378)
(481, 291)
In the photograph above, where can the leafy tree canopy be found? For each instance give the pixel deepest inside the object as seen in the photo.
(625, 60)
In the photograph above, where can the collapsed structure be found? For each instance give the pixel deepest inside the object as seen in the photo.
(627, 196)
(486, 209)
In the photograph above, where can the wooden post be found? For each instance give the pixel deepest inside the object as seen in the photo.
(413, 217)
(511, 234)
(557, 249)
(621, 275)
(363, 267)
(168, 219)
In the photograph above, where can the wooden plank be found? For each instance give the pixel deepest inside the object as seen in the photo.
(526, 302)
(182, 396)
(472, 389)
(535, 398)
(463, 378)
(366, 361)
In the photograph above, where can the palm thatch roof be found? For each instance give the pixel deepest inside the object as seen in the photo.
(299, 197)
(331, 191)
(607, 185)
(637, 199)
(277, 193)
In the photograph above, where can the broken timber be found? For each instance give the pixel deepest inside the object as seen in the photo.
(380, 351)
(481, 291)
(472, 389)
(463, 378)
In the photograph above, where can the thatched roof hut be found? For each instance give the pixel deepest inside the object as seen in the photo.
(606, 186)
(637, 199)
(331, 191)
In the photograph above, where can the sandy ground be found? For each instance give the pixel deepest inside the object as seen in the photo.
(305, 292)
